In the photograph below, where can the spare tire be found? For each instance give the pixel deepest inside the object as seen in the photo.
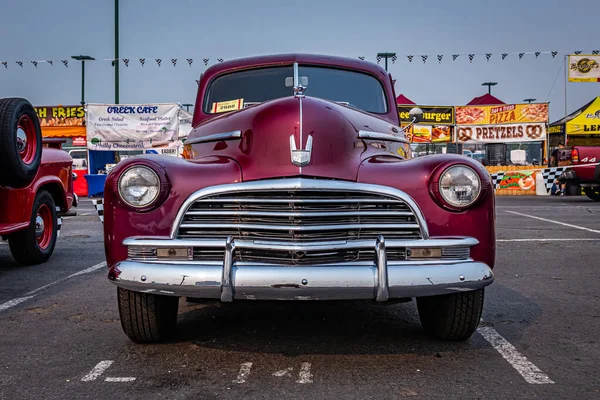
(20, 142)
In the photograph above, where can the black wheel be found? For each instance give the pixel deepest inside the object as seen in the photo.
(147, 318)
(452, 316)
(35, 244)
(20, 142)
(593, 193)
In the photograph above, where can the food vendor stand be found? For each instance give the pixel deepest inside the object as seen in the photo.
(118, 131)
(433, 133)
(67, 123)
(514, 138)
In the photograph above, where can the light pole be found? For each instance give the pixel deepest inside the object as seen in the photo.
(489, 85)
(529, 100)
(386, 56)
(116, 61)
(187, 106)
(83, 59)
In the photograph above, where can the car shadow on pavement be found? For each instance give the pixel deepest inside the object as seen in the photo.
(294, 329)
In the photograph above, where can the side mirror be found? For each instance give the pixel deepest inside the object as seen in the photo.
(416, 114)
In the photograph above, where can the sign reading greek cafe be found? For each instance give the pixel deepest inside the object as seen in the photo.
(132, 126)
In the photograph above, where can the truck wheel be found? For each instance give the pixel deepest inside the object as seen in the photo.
(452, 316)
(593, 193)
(20, 142)
(35, 244)
(147, 318)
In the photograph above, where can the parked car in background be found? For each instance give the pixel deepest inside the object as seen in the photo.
(36, 184)
(586, 175)
(307, 194)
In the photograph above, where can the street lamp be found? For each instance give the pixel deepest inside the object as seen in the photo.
(386, 56)
(83, 59)
(529, 100)
(489, 85)
(187, 106)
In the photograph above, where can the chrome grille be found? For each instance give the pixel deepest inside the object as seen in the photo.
(299, 215)
(141, 253)
(457, 252)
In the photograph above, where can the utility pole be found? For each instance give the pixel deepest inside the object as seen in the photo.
(116, 60)
(489, 85)
(529, 100)
(187, 106)
(386, 56)
(83, 59)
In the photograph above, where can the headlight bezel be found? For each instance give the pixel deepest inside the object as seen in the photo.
(436, 191)
(163, 191)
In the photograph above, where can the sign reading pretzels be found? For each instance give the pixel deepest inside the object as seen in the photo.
(504, 133)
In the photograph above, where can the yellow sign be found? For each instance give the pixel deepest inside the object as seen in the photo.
(224, 106)
(586, 123)
(502, 114)
(584, 68)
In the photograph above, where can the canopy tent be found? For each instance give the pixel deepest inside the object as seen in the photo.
(485, 100)
(402, 99)
(583, 121)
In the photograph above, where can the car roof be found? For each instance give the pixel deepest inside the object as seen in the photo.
(286, 59)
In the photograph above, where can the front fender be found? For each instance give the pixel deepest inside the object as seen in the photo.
(412, 176)
(185, 177)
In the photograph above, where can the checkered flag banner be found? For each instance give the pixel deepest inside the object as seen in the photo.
(58, 222)
(439, 57)
(550, 175)
(410, 58)
(220, 60)
(488, 56)
(504, 55)
(497, 178)
(158, 61)
(471, 57)
(361, 58)
(99, 206)
(424, 58)
(50, 62)
(35, 63)
(455, 56)
(174, 61)
(189, 61)
(142, 61)
(126, 62)
(66, 63)
(205, 61)
(5, 63)
(20, 63)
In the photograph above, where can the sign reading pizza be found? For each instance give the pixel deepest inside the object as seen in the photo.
(504, 123)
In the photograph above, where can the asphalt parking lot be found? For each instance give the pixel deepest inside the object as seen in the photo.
(539, 338)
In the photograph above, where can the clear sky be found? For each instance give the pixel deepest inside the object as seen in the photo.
(58, 29)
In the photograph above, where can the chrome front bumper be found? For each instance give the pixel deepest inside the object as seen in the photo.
(228, 280)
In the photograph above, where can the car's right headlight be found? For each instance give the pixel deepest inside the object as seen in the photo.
(459, 186)
(139, 186)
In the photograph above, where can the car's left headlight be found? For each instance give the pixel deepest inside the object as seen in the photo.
(139, 186)
(459, 186)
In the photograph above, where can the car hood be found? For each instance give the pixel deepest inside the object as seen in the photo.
(270, 130)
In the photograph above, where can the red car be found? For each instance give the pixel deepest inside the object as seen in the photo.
(297, 184)
(36, 185)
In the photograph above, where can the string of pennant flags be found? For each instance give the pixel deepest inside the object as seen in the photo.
(410, 57)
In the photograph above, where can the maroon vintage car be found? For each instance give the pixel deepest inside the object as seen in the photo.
(36, 184)
(298, 185)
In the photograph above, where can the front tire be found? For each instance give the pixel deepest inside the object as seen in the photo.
(147, 318)
(453, 316)
(593, 193)
(35, 244)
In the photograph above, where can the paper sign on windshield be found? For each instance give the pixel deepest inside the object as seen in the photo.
(224, 106)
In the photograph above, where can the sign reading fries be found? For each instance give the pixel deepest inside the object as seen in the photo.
(61, 115)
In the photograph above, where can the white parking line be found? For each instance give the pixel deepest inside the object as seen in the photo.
(97, 370)
(125, 379)
(244, 372)
(30, 295)
(13, 302)
(305, 375)
(530, 372)
(554, 222)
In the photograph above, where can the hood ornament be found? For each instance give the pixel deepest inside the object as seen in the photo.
(301, 157)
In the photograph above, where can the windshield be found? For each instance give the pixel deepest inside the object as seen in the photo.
(241, 89)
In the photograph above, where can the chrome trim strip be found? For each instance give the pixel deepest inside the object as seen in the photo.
(381, 136)
(344, 282)
(296, 201)
(226, 286)
(299, 228)
(215, 137)
(306, 246)
(299, 184)
(301, 213)
(382, 272)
